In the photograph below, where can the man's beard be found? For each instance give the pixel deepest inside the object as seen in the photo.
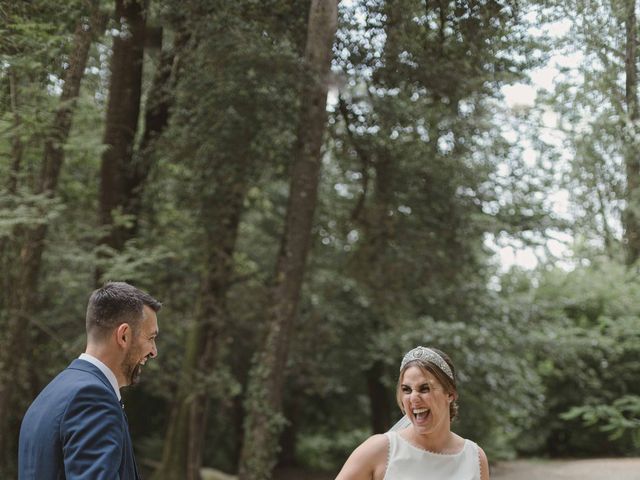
(131, 369)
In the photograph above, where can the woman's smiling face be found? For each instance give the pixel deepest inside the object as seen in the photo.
(424, 400)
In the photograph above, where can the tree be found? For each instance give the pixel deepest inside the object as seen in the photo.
(631, 218)
(583, 352)
(412, 117)
(29, 241)
(121, 125)
(421, 163)
(598, 105)
(222, 160)
(264, 422)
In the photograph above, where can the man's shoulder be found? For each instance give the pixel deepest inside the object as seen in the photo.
(75, 392)
(47, 409)
(78, 376)
(75, 406)
(81, 376)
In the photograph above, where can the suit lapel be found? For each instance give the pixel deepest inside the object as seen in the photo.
(85, 366)
(88, 367)
(130, 444)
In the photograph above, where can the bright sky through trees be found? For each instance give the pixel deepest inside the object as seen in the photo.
(523, 96)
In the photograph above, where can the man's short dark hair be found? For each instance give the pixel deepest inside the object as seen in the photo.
(114, 304)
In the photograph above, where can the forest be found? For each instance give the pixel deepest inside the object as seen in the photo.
(312, 188)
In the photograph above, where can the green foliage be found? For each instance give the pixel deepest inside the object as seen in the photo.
(418, 173)
(404, 208)
(134, 263)
(586, 346)
(598, 131)
(26, 210)
(323, 451)
(617, 419)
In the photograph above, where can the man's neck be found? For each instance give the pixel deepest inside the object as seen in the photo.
(106, 357)
(106, 371)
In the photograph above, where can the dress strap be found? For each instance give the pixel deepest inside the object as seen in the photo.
(392, 447)
(475, 449)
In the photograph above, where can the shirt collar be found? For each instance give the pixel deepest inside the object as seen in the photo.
(104, 369)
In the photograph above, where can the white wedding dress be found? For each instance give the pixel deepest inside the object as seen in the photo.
(409, 462)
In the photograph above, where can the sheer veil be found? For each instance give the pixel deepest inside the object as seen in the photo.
(401, 424)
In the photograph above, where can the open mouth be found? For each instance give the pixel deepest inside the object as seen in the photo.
(421, 414)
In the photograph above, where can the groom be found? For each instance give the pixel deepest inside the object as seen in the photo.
(76, 428)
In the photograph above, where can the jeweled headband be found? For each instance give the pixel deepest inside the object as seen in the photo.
(427, 355)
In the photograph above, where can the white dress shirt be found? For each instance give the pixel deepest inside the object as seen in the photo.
(104, 369)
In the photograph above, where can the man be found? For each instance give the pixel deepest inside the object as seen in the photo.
(76, 428)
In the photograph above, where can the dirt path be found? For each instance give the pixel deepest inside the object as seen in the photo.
(592, 469)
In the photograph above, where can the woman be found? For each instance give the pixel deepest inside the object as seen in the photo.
(423, 447)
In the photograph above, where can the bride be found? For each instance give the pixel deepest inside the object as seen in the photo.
(421, 446)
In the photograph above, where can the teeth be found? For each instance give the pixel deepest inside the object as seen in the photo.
(420, 410)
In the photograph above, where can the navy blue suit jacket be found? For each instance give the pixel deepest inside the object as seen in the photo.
(76, 429)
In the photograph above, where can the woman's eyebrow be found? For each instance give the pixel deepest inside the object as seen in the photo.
(425, 384)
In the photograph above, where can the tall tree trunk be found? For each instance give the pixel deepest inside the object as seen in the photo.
(377, 226)
(293, 410)
(631, 217)
(22, 299)
(160, 100)
(378, 399)
(264, 420)
(182, 454)
(123, 109)
(16, 141)
(378, 233)
(602, 210)
(13, 104)
(372, 259)
(17, 148)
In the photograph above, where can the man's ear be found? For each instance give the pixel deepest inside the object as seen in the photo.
(123, 335)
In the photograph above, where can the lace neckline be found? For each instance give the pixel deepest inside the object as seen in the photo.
(430, 452)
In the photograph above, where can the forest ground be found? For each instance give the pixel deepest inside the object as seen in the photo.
(592, 469)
